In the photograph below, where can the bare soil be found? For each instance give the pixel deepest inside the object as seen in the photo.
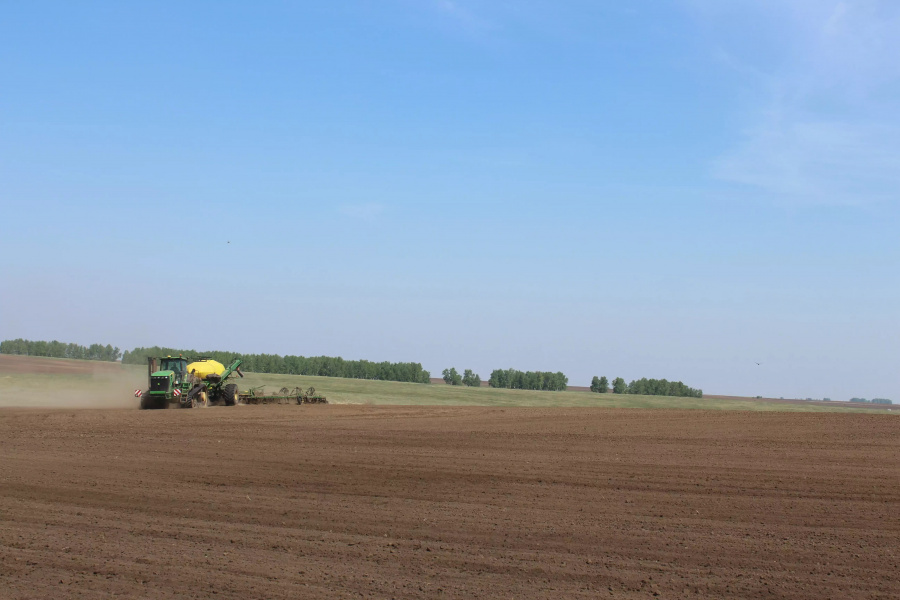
(413, 502)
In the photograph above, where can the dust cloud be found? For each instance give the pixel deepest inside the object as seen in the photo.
(105, 387)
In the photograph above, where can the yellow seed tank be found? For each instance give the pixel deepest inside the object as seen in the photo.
(205, 368)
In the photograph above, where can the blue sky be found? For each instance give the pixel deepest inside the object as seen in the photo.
(647, 189)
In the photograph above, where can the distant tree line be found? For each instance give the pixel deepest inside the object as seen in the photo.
(322, 366)
(661, 387)
(56, 349)
(468, 378)
(530, 380)
(873, 400)
(645, 387)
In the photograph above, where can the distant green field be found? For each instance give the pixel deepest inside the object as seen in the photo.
(116, 390)
(357, 391)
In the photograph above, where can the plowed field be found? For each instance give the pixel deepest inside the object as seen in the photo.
(412, 502)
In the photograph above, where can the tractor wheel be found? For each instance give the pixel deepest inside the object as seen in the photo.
(201, 400)
(144, 404)
(230, 394)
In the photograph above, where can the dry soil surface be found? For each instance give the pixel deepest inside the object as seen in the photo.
(382, 502)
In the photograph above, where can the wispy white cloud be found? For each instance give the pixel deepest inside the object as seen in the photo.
(367, 211)
(816, 162)
(825, 124)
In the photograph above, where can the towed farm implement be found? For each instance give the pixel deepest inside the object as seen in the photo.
(174, 381)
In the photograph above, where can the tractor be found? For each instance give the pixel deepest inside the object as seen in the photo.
(190, 383)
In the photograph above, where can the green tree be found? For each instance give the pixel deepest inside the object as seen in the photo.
(324, 366)
(452, 377)
(532, 380)
(471, 379)
(661, 387)
(600, 384)
(619, 386)
(56, 349)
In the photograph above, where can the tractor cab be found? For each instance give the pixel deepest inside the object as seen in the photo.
(178, 366)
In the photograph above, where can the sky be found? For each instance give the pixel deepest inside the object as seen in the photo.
(694, 190)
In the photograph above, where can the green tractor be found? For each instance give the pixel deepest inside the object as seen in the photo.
(189, 383)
